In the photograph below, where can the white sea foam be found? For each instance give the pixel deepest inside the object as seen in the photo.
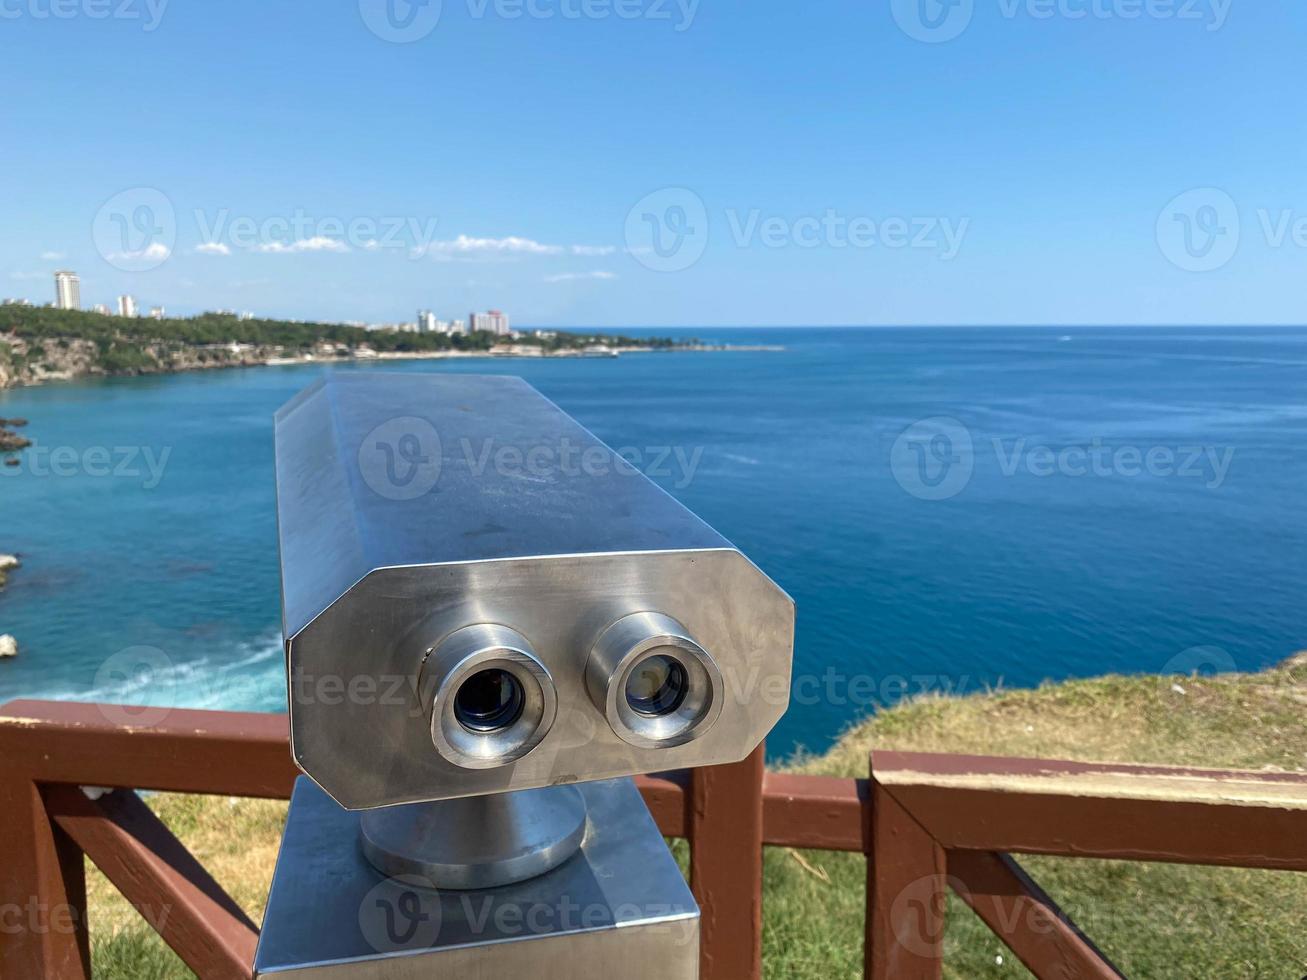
(249, 677)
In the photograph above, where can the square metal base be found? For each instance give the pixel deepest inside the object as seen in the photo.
(618, 907)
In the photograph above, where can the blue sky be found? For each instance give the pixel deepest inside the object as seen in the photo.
(662, 162)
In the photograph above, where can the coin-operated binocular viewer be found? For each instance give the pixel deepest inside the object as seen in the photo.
(491, 621)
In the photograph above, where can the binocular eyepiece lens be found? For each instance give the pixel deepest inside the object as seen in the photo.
(489, 701)
(657, 686)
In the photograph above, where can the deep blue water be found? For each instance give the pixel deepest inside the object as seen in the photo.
(1011, 578)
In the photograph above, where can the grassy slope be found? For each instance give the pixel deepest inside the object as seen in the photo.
(1153, 920)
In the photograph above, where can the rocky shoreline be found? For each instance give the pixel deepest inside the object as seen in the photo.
(69, 359)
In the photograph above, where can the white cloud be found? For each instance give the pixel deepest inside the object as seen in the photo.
(515, 244)
(574, 276)
(154, 251)
(29, 275)
(53, 256)
(593, 250)
(318, 243)
(213, 248)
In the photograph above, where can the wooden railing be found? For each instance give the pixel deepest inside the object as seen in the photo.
(927, 824)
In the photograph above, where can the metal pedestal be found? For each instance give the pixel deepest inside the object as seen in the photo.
(618, 906)
(478, 842)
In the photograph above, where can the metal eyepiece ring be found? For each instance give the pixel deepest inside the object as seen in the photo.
(491, 699)
(654, 683)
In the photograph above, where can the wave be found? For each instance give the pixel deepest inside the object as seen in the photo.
(250, 677)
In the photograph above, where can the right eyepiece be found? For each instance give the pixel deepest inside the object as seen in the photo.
(654, 683)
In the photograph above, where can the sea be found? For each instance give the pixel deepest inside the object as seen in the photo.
(952, 510)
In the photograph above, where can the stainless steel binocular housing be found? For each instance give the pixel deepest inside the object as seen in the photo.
(481, 597)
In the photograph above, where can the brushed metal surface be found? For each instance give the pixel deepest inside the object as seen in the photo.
(375, 576)
(478, 842)
(619, 907)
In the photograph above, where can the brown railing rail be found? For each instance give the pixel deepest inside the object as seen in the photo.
(927, 824)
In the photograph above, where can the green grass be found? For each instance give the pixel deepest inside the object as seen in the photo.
(1153, 920)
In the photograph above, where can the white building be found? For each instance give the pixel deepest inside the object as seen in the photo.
(426, 321)
(458, 327)
(158, 312)
(492, 322)
(67, 291)
(127, 306)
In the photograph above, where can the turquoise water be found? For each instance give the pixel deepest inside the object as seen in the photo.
(1034, 563)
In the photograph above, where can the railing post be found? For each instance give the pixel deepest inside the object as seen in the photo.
(43, 928)
(907, 894)
(726, 867)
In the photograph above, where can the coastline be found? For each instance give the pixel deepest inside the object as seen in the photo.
(78, 364)
(524, 351)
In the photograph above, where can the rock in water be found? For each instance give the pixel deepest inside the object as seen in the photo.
(12, 442)
(8, 647)
(7, 564)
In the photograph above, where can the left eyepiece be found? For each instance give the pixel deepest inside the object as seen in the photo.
(491, 699)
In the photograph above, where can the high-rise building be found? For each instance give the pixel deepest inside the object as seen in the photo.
(127, 306)
(67, 291)
(158, 312)
(492, 322)
(458, 327)
(426, 321)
